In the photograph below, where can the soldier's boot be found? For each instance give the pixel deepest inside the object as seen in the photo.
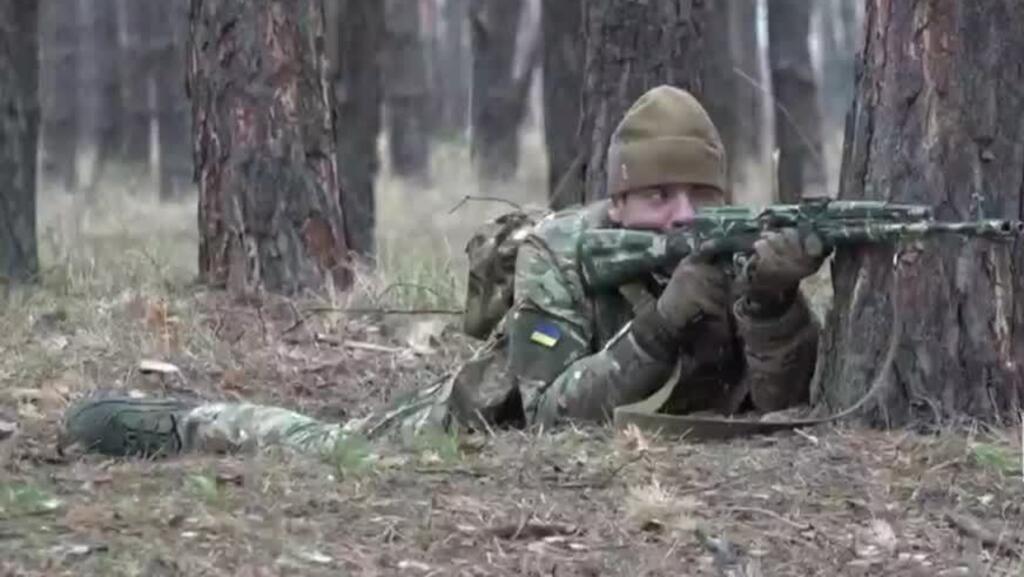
(124, 426)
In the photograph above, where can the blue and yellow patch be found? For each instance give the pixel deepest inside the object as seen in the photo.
(546, 334)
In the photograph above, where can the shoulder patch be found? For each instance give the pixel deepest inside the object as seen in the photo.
(546, 334)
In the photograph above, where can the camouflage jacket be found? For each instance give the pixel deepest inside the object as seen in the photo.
(559, 337)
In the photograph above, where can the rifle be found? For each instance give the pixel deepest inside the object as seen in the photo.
(612, 257)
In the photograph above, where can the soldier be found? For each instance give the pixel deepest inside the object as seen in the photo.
(564, 352)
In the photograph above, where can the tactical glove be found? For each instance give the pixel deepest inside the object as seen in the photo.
(697, 290)
(781, 260)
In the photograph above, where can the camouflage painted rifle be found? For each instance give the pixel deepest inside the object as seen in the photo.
(612, 257)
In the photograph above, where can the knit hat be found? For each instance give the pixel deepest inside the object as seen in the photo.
(665, 137)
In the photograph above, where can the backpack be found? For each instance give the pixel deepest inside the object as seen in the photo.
(492, 254)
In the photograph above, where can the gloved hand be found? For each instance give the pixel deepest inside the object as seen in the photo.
(696, 290)
(696, 295)
(781, 260)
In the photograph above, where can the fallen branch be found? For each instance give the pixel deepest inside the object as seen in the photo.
(308, 313)
(532, 530)
(768, 513)
(470, 197)
(972, 527)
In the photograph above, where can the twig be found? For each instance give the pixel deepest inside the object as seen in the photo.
(602, 483)
(532, 530)
(768, 513)
(377, 297)
(360, 345)
(470, 197)
(306, 314)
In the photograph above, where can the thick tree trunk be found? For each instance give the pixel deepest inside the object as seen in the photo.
(499, 91)
(798, 132)
(174, 171)
(59, 39)
(453, 70)
(406, 91)
(631, 48)
(562, 24)
(19, 127)
(269, 211)
(358, 29)
(936, 120)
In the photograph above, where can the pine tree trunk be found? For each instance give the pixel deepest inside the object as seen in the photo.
(798, 130)
(498, 102)
(563, 77)
(406, 90)
(356, 72)
(19, 127)
(58, 87)
(631, 48)
(936, 120)
(268, 192)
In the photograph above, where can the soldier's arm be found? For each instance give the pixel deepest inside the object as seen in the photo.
(551, 353)
(781, 349)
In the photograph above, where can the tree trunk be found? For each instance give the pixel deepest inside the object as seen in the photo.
(631, 48)
(19, 126)
(841, 21)
(268, 192)
(97, 90)
(936, 120)
(563, 78)
(137, 80)
(174, 169)
(733, 97)
(356, 72)
(406, 91)
(499, 91)
(58, 84)
(453, 70)
(798, 133)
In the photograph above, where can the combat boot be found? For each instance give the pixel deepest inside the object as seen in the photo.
(125, 426)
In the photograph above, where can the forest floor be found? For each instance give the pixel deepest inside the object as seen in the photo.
(119, 289)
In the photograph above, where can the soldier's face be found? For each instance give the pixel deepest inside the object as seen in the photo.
(662, 208)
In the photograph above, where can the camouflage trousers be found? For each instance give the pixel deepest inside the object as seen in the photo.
(248, 427)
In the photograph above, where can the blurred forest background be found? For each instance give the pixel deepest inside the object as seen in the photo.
(432, 100)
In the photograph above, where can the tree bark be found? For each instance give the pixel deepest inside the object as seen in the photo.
(798, 131)
(936, 120)
(499, 91)
(406, 91)
(268, 190)
(631, 48)
(19, 127)
(356, 72)
(58, 30)
(562, 24)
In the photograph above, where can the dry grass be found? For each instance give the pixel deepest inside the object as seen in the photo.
(118, 288)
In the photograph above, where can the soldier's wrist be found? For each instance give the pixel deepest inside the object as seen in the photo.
(765, 305)
(656, 335)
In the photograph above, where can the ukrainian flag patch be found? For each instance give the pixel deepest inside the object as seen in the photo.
(546, 334)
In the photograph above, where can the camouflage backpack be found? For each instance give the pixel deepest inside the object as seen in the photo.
(492, 263)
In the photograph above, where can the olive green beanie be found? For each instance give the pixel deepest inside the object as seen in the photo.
(665, 137)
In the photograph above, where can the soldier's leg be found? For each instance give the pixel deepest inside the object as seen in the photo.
(246, 427)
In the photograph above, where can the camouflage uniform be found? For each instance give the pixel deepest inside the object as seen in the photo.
(563, 352)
